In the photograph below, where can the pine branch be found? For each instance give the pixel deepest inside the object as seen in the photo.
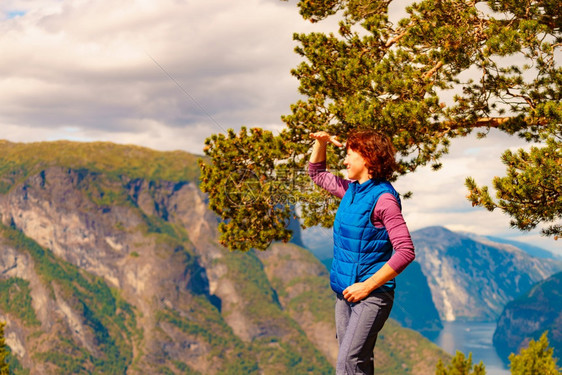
(487, 122)
(430, 73)
(397, 38)
(524, 97)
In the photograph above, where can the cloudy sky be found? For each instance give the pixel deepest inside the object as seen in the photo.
(167, 74)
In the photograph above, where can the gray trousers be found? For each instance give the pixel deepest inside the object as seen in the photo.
(357, 327)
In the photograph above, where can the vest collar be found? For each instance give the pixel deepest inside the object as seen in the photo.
(356, 188)
(366, 185)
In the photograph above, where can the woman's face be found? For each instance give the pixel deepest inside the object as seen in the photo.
(356, 166)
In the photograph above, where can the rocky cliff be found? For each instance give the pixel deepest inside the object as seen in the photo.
(471, 280)
(528, 316)
(413, 304)
(109, 264)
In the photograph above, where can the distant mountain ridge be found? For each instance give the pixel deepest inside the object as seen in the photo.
(536, 251)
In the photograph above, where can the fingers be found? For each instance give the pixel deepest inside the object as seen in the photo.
(335, 142)
(355, 293)
(348, 295)
(323, 136)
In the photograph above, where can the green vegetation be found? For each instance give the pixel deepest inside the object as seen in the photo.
(207, 326)
(16, 367)
(318, 299)
(111, 319)
(21, 160)
(68, 358)
(410, 80)
(15, 299)
(294, 356)
(166, 231)
(165, 371)
(529, 192)
(460, 366)
(206, 323)
(4, 367)
(105, 190)
(185, 369)
(536, 359)
(248, 271)
(9, 364)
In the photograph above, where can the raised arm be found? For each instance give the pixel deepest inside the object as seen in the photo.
(317, 166)
(319, 149)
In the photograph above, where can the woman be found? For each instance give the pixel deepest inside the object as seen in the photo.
(368, 226)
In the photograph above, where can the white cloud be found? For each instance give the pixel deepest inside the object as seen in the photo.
(89, 65)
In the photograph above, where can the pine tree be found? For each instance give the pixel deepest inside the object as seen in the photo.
(393, 78)
(4, 368)
(536, 359)
(460, 366)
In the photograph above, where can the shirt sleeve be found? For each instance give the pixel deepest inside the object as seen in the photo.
(387, 213)
(326, 180)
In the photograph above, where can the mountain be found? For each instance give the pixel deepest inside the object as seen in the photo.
(110, 264)
(535, 251)
(528, 316)
(471, 280)
(413, 303)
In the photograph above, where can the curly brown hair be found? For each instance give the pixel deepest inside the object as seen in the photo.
(377, 150)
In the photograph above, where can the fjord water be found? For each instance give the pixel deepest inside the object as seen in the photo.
(475, 338)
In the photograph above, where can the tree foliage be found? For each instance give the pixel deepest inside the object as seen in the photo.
(531, 191)
(460, 365)
(4, 367)
(414, 81)
(536, 359)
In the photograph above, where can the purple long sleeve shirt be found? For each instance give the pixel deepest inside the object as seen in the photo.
(386, 214)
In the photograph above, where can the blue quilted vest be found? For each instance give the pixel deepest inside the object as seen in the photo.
(360, 249)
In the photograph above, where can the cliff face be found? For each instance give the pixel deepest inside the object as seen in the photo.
(528, 316)
(413, 304)
(109, 263)
(119, 279)
(472, 280)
